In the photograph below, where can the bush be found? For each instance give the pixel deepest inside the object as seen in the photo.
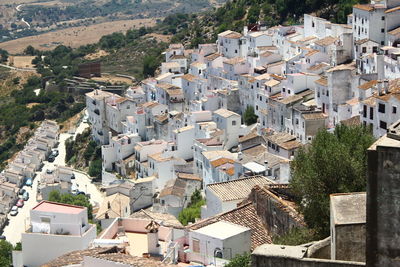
(77, 200)
(240, 261)
(95, 168)
(249, 117)
(193, 210)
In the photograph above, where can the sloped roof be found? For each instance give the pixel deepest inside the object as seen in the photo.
(236, 189)
(246, 216)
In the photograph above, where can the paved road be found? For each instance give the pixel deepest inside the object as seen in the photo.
(20, 223)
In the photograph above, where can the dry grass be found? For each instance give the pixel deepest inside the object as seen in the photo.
(112, 79)
(21, 61)
(6, 80)
(75, 36)
(160, 37)
(71, 122)
(98, 54)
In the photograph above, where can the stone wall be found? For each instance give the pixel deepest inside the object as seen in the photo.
(277, 214)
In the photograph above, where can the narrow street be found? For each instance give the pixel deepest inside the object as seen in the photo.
(18, 224)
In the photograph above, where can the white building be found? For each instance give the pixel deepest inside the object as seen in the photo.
(218, 240)
(58, 228)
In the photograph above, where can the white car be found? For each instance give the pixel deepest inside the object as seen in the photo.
(14, 211)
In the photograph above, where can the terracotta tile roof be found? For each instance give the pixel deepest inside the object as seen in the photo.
(370, 101)
(312, 52)
(246, 216)
(212, 56)
(291, 145)
(189, 77)
(318, 66)
(188, 176)
(314, 116)
(164, 219)
(322, 81)
(280, 138)
(236, 189)
(368, 85)
(210, 141)
(221, 161)
(366, 7)
(326, 41)
(230, 171)
(395, 31)
(233, 35)
(393, 9)
(251, 135)
(352, 121)
(362, 41)
(350, 66)
(76, 257)
(235, 60)
(132, 261)
(176, 189)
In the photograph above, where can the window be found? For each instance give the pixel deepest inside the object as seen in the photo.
(394, 109)
(196, 245)
(364, 50)
(235, 51)
(327, 93)
(383, 17)
(375, 49)
(382, 30)
(382, 42)
(283, 90)
(45, 219)
(383, 125)
(288, 91)
(365, 111)
(234, 122)
(381, 108)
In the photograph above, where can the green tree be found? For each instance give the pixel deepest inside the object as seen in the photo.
(333, 163)
(77, 200)
(3, 55)
(95, 168)
(29, 50)
(150, 64)
(5, 253)
(243, 260)
(249, 117)
(193, 210)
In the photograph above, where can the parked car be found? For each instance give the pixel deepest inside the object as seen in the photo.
(21, 191)
(14, 211)
(55, 152)
(20, 203)
(2, 237)
(80, 193)
(51, 158)
(29, 182)
(25, 196)
(49, 171)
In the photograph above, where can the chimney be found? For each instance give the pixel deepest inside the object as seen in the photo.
(152, 238)
(380, 66)
(386, 86)
(380, 89)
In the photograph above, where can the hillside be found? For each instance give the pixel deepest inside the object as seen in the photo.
(29, 18)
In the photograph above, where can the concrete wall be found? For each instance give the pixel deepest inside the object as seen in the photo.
(383, 210)
(264, 261)
(38, 248)
(350, 242)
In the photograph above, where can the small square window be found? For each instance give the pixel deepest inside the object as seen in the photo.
(394, 109)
